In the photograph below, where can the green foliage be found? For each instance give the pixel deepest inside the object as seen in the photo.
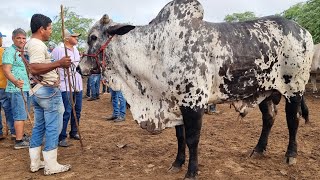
(239, 17)
(308, 16)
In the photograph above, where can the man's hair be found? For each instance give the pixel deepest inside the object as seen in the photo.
(18, 31)
(38, 21)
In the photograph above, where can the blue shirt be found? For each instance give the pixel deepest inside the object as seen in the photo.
(18, 69)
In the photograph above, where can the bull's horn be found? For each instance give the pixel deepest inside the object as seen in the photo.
(105, 19)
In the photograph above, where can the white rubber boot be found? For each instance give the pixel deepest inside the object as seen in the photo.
(36, 163)
(51, 164)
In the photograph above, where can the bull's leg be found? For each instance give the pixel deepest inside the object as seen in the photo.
(268, 110)
(181, 155)
(313, 77)
(192, 120)
(293, 123)
(304, 110)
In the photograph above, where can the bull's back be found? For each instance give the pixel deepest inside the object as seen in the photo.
(265, 54)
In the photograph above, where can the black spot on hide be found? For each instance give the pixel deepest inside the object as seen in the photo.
(287, 78)
(198, 91)
(142, 90)
(127, 69)
(178, 87)
(181, 35)
(188, 87)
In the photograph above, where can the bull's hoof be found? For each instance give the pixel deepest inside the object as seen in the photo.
(290, 160)
(257, 154)
(307, 121)
(191, 178)
(174, 169)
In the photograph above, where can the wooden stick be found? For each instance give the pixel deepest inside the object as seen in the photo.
(26, 107)
(69, 79)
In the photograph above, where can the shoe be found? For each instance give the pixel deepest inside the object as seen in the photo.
(26, 138)
(21, 145)
(76, 137)
(63, 143)
(86, 96)
(92, 99)
(13, 137)
(213, 112)
(119, 119)
(111, 118)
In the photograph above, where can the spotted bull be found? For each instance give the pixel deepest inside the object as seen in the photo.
(172, 67)
(315, 67)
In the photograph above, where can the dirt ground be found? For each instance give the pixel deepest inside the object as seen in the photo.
(125, 151)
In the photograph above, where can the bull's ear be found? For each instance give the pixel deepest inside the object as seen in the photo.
(119, 29)
(105, 19)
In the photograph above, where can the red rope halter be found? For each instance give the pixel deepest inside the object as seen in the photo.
(102, 49)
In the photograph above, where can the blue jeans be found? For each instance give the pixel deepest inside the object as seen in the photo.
(118, 110)
(77, 97)
(95, 85)
(48, 117)
(18, 105)
(88, 87)
(6, 105)
(211, 108)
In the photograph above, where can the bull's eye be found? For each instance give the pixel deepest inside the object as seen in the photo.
(93, 37)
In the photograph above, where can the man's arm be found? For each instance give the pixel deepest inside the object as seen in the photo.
(43, 68)
(7, 72)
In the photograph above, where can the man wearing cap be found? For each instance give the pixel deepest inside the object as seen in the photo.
(70, 42)
(4, 100)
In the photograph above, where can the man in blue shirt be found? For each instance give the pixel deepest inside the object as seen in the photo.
(15, 71)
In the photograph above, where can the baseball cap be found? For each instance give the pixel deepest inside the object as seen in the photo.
(2, 35)
(70, 33)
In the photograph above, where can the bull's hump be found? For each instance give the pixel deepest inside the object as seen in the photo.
(180, 10)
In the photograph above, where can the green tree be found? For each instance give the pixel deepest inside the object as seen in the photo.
(239, 17)
(308, 16)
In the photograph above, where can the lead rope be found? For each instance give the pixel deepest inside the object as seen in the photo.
(34, 78)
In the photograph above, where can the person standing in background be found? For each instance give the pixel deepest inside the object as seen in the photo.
(70, 42)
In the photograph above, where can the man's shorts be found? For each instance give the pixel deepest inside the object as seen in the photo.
(18, 105)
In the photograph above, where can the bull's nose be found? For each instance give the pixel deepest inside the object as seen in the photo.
(79, 70)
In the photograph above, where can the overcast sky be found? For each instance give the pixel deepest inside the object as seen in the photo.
(17, 13)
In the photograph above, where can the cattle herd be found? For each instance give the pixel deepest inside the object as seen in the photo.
(178, 63)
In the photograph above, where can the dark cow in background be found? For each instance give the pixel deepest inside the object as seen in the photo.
(172, 67)
(315, 67)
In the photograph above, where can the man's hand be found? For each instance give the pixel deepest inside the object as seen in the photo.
(18, 83)
(65, 62)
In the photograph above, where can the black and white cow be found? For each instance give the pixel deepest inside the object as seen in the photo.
(315, 67)
(172, 67)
